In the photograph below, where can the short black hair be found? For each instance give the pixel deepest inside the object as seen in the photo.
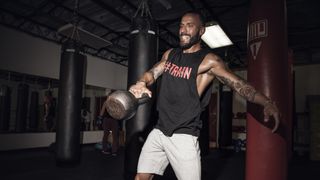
(199, 14)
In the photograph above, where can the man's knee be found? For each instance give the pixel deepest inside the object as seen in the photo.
(143, 176)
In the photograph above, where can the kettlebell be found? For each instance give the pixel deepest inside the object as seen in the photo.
(122, 105)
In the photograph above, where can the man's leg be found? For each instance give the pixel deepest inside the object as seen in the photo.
(115, 136)
(143, 176)
(184, 156)
(152, 160)
(106, 132)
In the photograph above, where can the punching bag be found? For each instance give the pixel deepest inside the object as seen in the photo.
(291, 104)
(34, 111)
(5, 103)
(143, 49)
(22, 107)
(266, 155)
(204, 139)
(225, 115)
(69, 103)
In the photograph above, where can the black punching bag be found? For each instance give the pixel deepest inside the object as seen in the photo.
(5, 103)
(69, 103)
(34, 111)
(204, 133)
(225, 116)
(143, 49)
(22, 107)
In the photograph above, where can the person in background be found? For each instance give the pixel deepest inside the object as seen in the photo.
(49, 111)
(109, 125)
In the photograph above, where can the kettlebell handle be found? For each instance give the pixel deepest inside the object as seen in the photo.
(144, 98)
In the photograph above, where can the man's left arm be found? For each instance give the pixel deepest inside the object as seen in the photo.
(242, 87)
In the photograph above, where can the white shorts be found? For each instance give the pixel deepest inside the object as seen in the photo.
(180, 150)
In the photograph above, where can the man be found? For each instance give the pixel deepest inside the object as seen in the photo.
(49, 111)
(108, 124)
(186, 74)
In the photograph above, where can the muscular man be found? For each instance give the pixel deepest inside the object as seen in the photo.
(186, 73)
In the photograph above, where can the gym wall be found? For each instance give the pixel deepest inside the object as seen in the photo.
(23, 53)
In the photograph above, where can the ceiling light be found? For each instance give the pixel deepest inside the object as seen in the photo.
(215, 37)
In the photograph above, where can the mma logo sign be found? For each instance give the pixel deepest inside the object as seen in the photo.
(257, 30)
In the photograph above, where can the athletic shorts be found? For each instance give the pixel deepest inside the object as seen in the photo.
(180, 150)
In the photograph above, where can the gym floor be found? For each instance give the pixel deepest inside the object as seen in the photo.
(39, 164)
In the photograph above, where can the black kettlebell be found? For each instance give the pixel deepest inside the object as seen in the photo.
(122, 105)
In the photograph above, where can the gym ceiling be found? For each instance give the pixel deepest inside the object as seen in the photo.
(110, 20)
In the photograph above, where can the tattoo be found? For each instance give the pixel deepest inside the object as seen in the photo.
(243, 88)
(156, 71)
(210, 73)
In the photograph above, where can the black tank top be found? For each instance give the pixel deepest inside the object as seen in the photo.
(179, 104)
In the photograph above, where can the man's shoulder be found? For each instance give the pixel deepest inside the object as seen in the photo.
(167, 53)
(211, 57)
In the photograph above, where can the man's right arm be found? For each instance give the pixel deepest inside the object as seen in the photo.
(149, 77)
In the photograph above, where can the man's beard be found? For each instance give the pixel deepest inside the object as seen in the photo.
(193, 40)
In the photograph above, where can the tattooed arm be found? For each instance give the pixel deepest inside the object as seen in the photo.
(149, 77)
(213, 66)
